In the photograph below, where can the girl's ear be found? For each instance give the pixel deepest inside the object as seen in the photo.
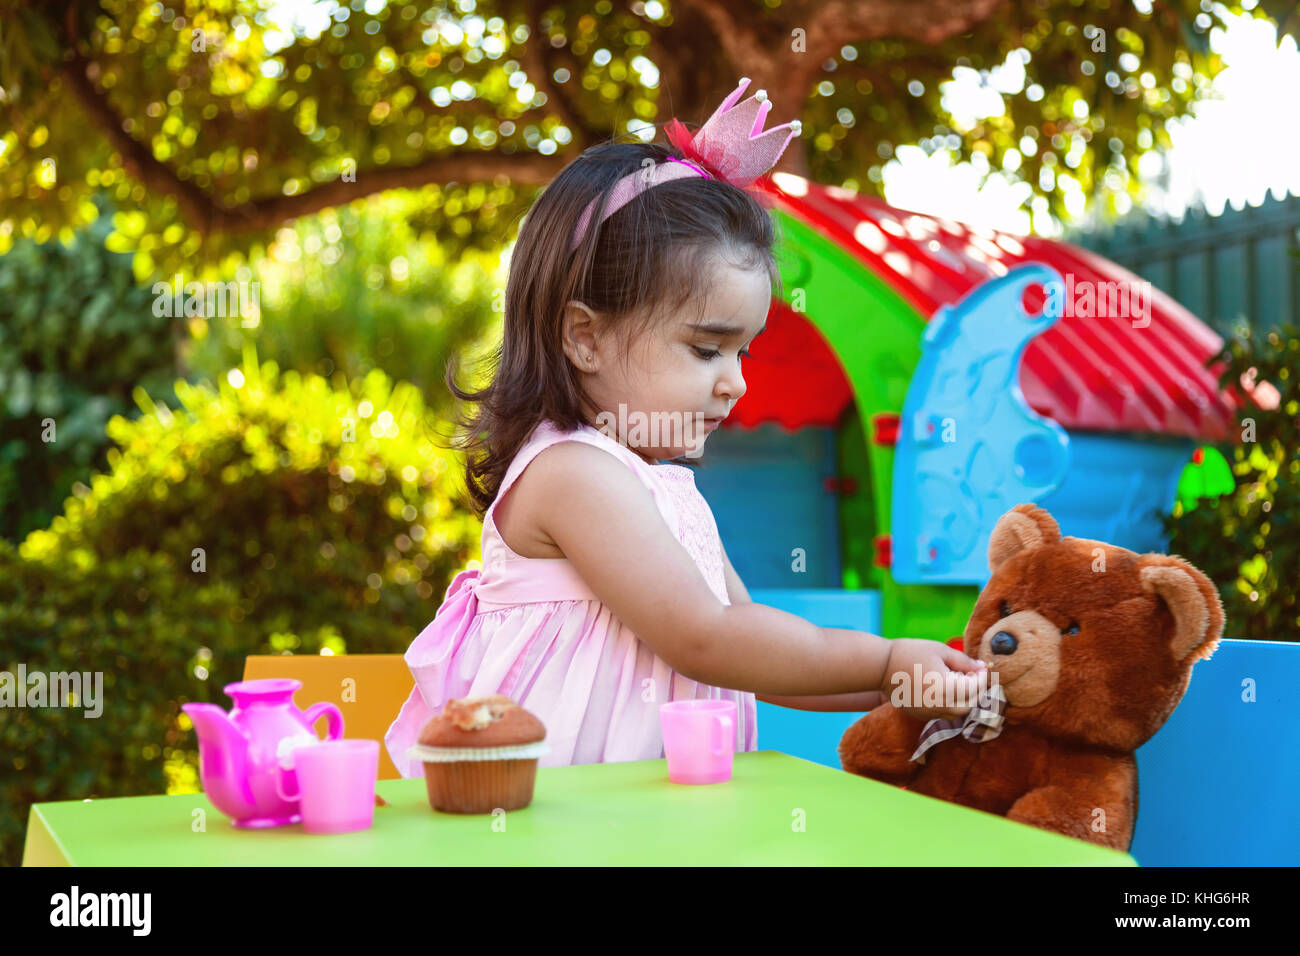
(578, 335)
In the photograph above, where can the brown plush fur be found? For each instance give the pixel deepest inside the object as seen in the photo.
(1078, 705)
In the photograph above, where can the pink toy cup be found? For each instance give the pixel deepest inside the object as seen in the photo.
(336, 785)
(699, 739)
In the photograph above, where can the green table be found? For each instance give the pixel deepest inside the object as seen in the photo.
(776, 810)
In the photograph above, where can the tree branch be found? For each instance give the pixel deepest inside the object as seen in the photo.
(527, 169)
(203, 214)
(831, 25)
(137, 159)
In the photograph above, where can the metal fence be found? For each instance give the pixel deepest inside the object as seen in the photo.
(1240, 265)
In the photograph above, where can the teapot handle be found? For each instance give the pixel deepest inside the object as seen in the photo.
(334, 730)
(280, 775)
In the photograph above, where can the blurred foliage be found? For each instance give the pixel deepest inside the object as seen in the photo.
(232, 119)
(57, 615)
(356, 288)
(1248, 541)
(311, 543)
(1100, 82)
(235, 107)
(77, 334)
(256, 472)
(348, 290)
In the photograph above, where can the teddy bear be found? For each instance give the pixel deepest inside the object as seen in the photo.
(1089, 648)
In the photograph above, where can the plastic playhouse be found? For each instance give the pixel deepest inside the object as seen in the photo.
(920, 377)
(914, 384)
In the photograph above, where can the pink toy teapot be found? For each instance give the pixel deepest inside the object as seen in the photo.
(245, 756)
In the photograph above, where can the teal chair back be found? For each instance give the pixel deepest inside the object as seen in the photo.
(1217, 783)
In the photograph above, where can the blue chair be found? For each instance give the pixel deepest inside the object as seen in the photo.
(1217, 785)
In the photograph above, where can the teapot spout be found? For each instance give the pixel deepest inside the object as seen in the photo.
(223, 760)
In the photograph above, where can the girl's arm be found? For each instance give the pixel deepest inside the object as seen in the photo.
(826, 703)
(736, 592)
(606, 524)
(843, 703)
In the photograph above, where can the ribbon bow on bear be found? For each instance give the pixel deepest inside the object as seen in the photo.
(984, 722)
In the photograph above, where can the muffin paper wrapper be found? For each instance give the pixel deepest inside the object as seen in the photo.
(456, 754)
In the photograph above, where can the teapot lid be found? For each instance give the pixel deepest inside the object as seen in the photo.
(269, 689)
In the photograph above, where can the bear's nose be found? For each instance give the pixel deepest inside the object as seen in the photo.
(1003, 643)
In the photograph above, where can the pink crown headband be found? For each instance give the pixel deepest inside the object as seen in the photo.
(729, 147)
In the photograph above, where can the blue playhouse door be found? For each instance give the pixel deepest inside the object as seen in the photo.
(777, 520)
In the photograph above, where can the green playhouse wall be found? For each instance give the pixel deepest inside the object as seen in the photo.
(857, 509)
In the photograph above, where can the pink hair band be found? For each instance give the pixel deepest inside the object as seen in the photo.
(632, 185)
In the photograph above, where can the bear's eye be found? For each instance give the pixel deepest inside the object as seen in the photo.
(1004, 609)
(1072, 629)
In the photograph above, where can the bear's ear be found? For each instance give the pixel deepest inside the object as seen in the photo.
(1021, 528)
(1192, 600)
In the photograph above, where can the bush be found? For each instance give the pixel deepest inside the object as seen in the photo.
(77, 334)
(1248, 541)
(148, 631)
(244, 523)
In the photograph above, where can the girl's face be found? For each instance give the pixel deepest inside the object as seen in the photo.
(681, 377)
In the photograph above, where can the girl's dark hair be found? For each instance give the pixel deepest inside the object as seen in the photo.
(655, 255)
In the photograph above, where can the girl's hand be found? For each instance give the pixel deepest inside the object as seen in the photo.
(943, 670)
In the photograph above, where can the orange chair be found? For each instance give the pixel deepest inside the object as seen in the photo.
(369, 689)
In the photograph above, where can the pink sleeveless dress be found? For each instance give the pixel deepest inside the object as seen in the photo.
(531, 629)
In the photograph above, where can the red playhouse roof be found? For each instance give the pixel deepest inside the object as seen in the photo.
(1098, 374)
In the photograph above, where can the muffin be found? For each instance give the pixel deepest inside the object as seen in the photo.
(480, 754)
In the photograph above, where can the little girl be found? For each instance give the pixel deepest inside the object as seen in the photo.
(605, 590)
